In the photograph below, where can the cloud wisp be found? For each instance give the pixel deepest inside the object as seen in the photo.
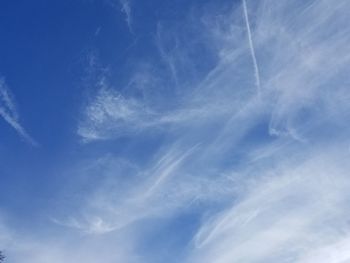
(263, 178)
(126, 9)
(9, 112)
(295, 213)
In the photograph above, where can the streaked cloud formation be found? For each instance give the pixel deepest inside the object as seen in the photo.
(126, 9)
(247, 162)
(269, 163)
(9, 112)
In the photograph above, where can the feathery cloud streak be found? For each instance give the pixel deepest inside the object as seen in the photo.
(126, 9)
(265, 179)
(9, 112)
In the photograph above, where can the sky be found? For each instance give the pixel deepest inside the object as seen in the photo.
(189, 131)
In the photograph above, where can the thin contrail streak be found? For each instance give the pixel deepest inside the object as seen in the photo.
(251, 47)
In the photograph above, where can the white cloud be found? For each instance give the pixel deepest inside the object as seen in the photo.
(113, 114)
(168, 56)
(63, 247)
(126, 9)
(286, 215)
(9, 112)
(125, 195)
(276, 167)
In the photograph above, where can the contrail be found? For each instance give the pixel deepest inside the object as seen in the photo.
(251, 46)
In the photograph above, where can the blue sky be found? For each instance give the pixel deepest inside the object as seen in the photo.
(174, 131)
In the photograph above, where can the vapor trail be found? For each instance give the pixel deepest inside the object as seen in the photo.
(251, 47)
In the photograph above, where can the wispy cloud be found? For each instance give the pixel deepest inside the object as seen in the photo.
(266, 176)
(160, 190)
(126, 9)
(111, 109)
(64, 247)
(167, 56)
(9, 112)
(288, 214)
(112, 115)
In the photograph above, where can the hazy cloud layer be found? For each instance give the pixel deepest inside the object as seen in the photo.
(251, 149)
(260, 136)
